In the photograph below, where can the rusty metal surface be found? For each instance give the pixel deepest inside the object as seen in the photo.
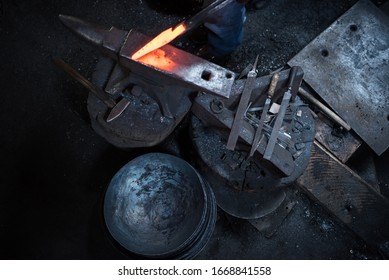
(242, 107)
(348, 66)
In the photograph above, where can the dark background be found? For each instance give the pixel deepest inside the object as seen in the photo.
(55, 168)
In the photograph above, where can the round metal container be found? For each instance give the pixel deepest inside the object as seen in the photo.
(158, 206)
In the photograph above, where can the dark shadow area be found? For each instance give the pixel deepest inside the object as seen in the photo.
(175, 7)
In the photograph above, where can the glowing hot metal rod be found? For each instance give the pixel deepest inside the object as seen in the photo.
(168, 35)
(169, 65)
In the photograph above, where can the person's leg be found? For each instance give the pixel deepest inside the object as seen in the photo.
(225, 29)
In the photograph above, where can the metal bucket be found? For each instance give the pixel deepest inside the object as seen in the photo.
(158, 206)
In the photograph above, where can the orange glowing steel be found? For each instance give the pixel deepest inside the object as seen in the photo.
(162, 39)
(158, 59)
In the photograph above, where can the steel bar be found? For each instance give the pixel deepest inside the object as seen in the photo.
(277, 125)
(240, 112)
(83, 81)
(280, 116)
(325, 109)
(168, 35)
(282, 159)
(172, 65)
(270, 94)
(201, 16)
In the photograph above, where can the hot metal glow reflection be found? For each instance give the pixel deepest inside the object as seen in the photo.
(158, 59)
(165, 37)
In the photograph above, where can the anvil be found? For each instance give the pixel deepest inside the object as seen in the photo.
(170, 64)
(168, 77)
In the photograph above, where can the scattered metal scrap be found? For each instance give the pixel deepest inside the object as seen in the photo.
(242, 107)
(98, 92)
(324, 109)
(341, 143)
(265, 110)
(348, 66)
(252, 187)
(280, 115)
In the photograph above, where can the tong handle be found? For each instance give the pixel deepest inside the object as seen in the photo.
(292, 76)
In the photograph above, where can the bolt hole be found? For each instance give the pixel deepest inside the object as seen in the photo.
(263, 173)
(228, 75)
(387, 117)
(206, 75)
(324, 53)
(353, 27)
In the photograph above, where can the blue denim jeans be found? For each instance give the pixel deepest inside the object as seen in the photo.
(226, 29)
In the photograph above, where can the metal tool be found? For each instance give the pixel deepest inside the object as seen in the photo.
(284, 137)
(283, 161)
(242, 107)
(118, 109)
(245, 71)
(325, 109)
(249, 188)
(170, 34)
(123, 104)
(83, 81)
(270, 94)
(280, 116)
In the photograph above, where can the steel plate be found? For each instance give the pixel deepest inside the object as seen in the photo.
(348, 66)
